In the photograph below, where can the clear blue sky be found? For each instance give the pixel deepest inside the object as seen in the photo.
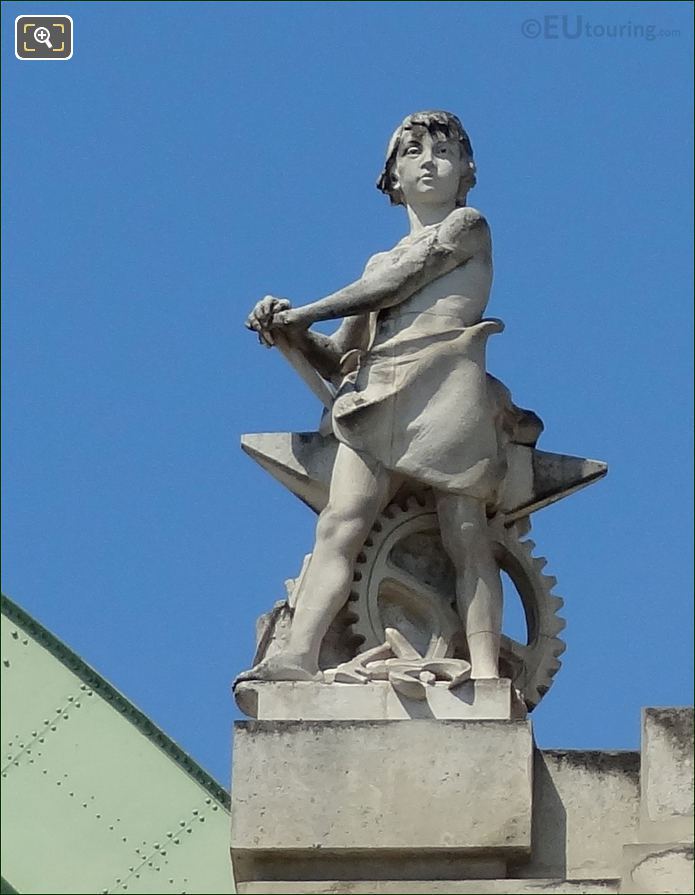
(192, 157)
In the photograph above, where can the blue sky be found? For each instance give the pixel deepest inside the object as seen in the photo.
(192, 157)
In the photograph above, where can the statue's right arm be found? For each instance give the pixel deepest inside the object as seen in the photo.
(324, 353)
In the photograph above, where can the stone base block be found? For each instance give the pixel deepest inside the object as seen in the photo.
(377, 701)
(380, 800)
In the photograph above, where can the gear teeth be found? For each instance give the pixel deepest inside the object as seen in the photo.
(522, 526)
(343, 620)
(543, 664)
(558, 624)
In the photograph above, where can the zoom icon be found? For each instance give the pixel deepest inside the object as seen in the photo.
(43, 37)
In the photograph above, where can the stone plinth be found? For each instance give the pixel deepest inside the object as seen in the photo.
(421, 800)
(667, 769)
(378, 701)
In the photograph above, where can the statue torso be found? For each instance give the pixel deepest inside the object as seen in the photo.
(456, 299)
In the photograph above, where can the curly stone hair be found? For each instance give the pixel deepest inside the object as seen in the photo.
(436, 122)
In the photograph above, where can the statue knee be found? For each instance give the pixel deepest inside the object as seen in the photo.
(344, 531)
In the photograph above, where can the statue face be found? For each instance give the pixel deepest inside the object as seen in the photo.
(428, 168)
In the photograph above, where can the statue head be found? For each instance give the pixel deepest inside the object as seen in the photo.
(443, 125)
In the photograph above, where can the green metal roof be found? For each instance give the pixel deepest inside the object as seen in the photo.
(95, 797)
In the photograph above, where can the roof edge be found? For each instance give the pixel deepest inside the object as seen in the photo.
(117, 700)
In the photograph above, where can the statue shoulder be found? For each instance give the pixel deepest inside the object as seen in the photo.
(464, 225)
(375, 260)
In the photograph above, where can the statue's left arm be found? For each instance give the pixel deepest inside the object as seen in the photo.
(452, 243)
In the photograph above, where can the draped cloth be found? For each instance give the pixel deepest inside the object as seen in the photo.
(423, 406)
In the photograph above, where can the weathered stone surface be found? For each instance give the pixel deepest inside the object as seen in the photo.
(418, 800)
(588, 832)
(658, 869)
(306, 701)
(667, 763)
(585, 807)
(432, 887)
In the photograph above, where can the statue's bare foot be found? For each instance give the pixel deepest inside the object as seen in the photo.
(280, 667)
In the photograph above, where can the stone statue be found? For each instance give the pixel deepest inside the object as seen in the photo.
(415, 414)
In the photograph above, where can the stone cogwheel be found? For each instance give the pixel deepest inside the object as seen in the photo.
(405, 580)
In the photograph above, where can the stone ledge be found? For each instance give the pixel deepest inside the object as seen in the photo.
(433, 887)
(377, 701)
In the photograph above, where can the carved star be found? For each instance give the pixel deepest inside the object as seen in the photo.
(303, 463)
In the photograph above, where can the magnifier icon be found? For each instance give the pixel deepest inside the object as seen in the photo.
(42, 36)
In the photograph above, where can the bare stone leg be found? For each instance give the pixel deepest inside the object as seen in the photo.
(359, 487)
(465, 537)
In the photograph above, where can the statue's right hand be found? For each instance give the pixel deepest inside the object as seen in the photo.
(261, 317)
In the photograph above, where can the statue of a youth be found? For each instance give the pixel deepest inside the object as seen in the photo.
(414, 400)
